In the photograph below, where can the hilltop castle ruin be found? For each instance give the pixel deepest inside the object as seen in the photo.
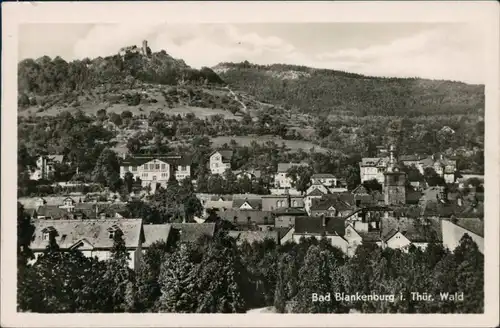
(144, 50)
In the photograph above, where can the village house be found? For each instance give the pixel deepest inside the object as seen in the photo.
(273, 202)
(220, 161)
(372, 168)
(248, 219)
(172, 233)
(401, 232)
(326, 179)
(94, 238)
(285, 217)
(332, 229)
(310, 197)
(217, 205)
(281, 180)
(247, 204)
(331, 207)
(156, 169)
(454, 229)
(45, 167)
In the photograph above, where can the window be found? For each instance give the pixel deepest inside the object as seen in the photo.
(249, 220)
(266, 220)
(157, 166)
(294, 202)
(134, 168)
(235, 219)
(277, 203)
(163, 166)
(111, 235)
(125, 169)
(154, 177)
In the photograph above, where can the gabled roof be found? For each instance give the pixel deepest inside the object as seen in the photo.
(324, 204)
(474, 225)
(369, 236)
(95, 232)
(416, 230)
(191, 232)
(254, 236)
(360, 190)
(256, 204)
(225, 154)
(314, 226)
(284, 167)
(316, 192)
(410, 158)
(154, 233)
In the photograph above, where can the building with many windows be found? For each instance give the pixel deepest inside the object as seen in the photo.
(156, 169)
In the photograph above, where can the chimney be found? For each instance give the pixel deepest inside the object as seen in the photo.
(323, 221)
(441, 156)
(459, 201)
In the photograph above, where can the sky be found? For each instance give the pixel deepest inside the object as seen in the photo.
(449, 51)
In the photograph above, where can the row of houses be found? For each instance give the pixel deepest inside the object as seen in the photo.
(374, 167)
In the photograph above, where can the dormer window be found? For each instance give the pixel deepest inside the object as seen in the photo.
(112, 231)
(47, 232)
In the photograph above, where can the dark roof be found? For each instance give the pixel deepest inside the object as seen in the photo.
(474, 225)
(360, 190)
(95, 232)
(171, 159)
(225, 154)
(255, 203)
(314, 225)
(325, 203)
(413, 197)
(282, 231)
(256, 216)
(410, 158)
(316, 192)
(369, 236)
(191, 232)
(154, 233)
(289, 211)
(416, 230)
(52, 211)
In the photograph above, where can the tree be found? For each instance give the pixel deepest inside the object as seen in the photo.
(177, 279)
(372, 185)
(220, 279)
(280, 294)
(229, 182)
(106, 170)
(25, 231)
(129, 181)
(301, 177)
(353, 177)
(134, 145)
(432, 178)
(119, 275)
(314, 278)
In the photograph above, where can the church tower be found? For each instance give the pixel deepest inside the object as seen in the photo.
(394, 181)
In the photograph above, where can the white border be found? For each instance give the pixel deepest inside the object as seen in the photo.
(14, 14)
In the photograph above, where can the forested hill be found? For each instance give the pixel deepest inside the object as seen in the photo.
(322, 91)
(45, 76)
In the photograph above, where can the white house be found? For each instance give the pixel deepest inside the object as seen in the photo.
(281, 180)
(152, 170)
(45, 166)
(220, 161)
(325, 179)
(94, 238)
(373, 168)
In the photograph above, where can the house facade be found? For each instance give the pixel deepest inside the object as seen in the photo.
(94, 238)
(274, 202)
(152, 170)
(372, 168)
(281, 180)
(45, 167)
(220, 161)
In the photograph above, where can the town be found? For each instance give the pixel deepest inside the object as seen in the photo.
(145, 185)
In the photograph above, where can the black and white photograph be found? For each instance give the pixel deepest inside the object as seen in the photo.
(250, 167)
